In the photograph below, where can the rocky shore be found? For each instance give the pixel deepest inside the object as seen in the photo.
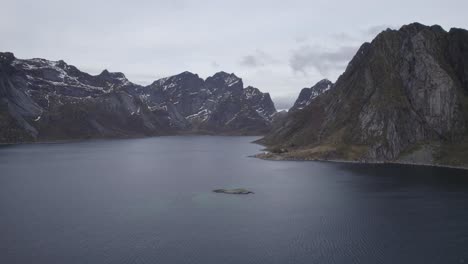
(291, 157)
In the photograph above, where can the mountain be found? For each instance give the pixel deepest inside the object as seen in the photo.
(308, 94)
(219, 104)
(402, 98)
(51, 100)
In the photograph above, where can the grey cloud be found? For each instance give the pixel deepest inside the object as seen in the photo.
(343, 37)
(301, 39)
(284, 102)
(365, 33)
(250, 61)
(307, 57)
(258, 59)
(324, 61)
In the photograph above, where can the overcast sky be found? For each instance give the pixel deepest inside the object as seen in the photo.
(277, 46)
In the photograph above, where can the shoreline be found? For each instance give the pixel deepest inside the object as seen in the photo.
(64, 141)
(263, 156)
(275, 157)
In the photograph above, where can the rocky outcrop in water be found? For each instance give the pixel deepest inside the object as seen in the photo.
(403, 93)
(50, 100)
(233, 191)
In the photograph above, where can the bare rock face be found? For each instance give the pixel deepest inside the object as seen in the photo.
(50, 100)
(406, 88)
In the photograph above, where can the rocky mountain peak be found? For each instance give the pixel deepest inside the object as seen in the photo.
(321, 87)
(187, 74)
(251, 90)
(62, 64)
(228, 77)
(183, 76)
(6, 60)
(112, 75)
(260, 102)
(105, 72)
(6, 57)
(415, 28)
(252, 93)
(222, 81)
(308, 94)
(185, 82)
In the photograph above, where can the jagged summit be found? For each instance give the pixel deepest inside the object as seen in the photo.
(187, 74)
(224, 75)
(226, 80)
(308, 94)
(324, 82)
(112, 75)
(105, 72)
(416, 27)
(5, 55)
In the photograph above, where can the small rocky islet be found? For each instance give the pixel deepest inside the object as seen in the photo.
(233, 191)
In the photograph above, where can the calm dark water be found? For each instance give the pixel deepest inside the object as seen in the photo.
(150, 201)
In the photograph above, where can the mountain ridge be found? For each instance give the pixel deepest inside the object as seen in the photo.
(52, 100)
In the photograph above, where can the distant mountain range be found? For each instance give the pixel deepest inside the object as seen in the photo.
(44, 100)
(403, 98)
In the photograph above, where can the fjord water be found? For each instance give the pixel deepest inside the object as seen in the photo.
(151, 201)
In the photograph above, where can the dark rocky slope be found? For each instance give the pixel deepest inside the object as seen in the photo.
(402, 98)
(47, 100)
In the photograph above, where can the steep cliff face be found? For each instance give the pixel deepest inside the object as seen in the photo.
(403, 93)
(48, 100)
